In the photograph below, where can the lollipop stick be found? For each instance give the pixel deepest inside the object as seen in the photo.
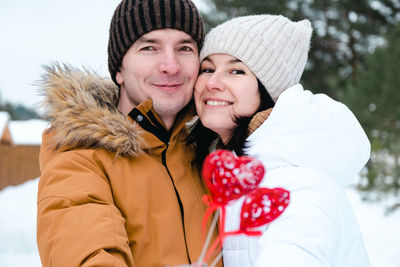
(219, 256)
(209, 235)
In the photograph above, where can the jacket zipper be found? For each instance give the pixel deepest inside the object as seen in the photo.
(163, 135)
(164, 162)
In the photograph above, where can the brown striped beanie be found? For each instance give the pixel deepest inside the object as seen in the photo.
(134, 18)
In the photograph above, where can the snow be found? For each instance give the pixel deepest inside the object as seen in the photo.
(35, 128)
(18, 221)
(17, 225)
(381, 233)
(19, 130)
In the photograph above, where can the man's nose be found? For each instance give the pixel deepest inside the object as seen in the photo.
(170, 63)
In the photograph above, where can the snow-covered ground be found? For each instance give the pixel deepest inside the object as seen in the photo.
(17, 225)
(18, 220)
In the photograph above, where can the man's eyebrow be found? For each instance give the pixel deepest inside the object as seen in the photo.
(147, 40)
(156, 41)
(187, 41)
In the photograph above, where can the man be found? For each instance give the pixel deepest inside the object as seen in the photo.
(118, 187)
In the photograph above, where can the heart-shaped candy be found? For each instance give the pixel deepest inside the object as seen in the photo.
(229, 177)
(262, 206)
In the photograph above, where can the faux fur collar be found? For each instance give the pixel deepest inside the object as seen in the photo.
(82, 108)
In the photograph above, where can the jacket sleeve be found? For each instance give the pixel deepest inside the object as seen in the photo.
(78, 223)
(308, 233)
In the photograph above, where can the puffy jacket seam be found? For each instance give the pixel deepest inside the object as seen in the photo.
(74, 201)
(55, 196)
(115, 237)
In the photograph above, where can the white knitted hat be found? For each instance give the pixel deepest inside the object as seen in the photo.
(273, 47)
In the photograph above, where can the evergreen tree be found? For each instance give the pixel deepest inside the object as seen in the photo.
(19, 112)
(375, 98)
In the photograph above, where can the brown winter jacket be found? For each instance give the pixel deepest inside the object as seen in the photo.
(114, 192)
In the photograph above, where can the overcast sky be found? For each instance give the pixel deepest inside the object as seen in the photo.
(33, 33)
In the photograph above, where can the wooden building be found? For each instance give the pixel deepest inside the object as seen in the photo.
(19, 150)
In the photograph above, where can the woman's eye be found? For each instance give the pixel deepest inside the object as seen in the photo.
(206, 71)
(235, 72)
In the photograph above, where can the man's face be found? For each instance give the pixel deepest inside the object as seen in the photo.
(163, 66)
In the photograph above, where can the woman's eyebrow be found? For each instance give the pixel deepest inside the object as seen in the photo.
(233, 61)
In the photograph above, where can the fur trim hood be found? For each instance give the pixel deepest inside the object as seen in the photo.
(82, 109)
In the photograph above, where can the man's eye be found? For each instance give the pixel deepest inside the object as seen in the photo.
(186, 49)
(148, 48)
(235, 72)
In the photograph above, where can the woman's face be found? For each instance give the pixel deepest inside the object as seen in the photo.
(225, 89)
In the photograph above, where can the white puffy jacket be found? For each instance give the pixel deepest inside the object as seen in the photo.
(312, 146)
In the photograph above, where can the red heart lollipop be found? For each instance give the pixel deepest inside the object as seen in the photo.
(262, 206)
(228, 177)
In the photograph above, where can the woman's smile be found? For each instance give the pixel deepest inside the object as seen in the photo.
(217, 103)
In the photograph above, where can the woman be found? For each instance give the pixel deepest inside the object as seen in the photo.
(248, 95)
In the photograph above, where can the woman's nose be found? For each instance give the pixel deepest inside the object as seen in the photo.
(215, 82)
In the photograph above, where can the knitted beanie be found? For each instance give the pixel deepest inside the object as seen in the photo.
(134, 18)
(273, 47)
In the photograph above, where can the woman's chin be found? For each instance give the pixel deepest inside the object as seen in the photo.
(221, 127)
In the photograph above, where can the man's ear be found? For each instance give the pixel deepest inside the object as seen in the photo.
(119, 77)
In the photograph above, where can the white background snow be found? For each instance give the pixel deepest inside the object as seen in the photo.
(18, 221)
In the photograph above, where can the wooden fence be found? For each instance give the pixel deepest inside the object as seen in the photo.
(18, 163)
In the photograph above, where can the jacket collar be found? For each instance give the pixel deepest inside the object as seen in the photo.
(82, 108)
(257, 120)
(155, 133)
